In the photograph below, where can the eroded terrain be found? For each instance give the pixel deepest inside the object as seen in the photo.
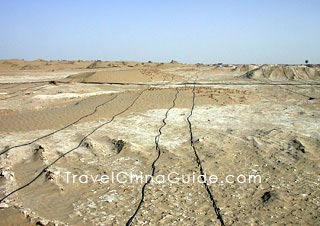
(99, 118)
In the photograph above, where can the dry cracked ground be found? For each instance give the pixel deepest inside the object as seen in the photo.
(59, 119)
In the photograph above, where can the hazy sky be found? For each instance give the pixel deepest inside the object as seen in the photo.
(228, 31)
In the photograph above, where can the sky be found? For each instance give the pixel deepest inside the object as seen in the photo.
(189, 31)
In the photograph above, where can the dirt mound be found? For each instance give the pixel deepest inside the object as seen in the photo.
(80, 77)
(235, 70)
(117, 76)
(241, 68)
(93, 65)
(287, 73)
(29, 67)
(120, 76)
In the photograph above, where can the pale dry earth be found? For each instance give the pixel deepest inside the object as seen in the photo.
(247, 120)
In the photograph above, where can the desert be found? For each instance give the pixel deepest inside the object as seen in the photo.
(96, 118)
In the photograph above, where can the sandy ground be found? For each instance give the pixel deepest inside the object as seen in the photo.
(99, 118)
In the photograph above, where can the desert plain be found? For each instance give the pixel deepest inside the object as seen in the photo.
(142, 118)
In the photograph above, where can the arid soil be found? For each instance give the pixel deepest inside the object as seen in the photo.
(60, 118)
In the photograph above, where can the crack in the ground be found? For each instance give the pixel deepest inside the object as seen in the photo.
(76, 147)
(56, 131)
(156, 140)
(202, 172)
(206, 83)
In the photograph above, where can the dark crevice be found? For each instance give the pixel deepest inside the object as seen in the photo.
(202, 172)
(156, 140)
(76, 147)
(65, 127)
(259, 82)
